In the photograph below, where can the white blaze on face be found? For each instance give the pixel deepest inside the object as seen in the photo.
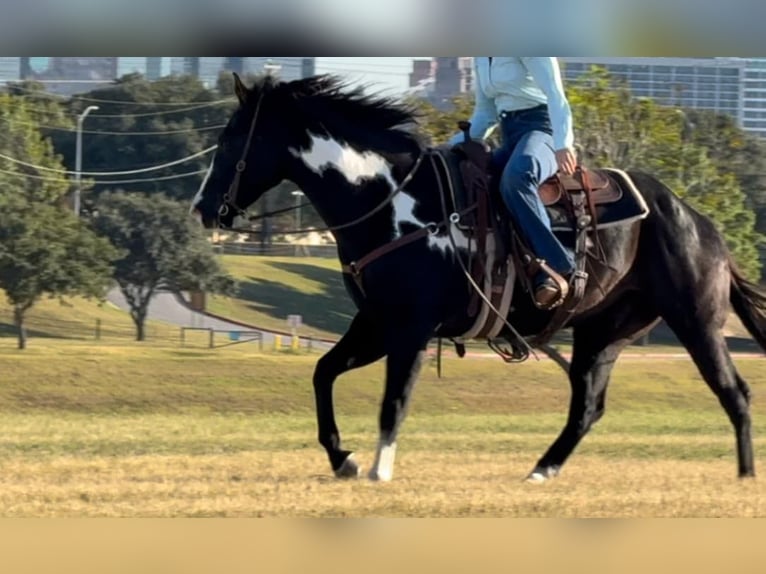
(325, 153)
(198, 197)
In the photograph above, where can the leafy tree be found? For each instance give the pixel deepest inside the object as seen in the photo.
(142, 123)
(735, 152)
(164, 249)
(439, 126)
(44, 249)
(615, 129)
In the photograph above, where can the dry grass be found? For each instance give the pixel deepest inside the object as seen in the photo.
(263, 483)
(130, 430)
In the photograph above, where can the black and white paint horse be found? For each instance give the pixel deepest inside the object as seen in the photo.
(358, 163)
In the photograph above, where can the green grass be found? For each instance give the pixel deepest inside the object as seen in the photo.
(125, 378)
(271, 288)
(77, 318)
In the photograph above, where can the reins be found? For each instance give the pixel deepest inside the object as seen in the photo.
(387, 201)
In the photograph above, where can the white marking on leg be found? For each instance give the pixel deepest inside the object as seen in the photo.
(383, 467)
(198, 196)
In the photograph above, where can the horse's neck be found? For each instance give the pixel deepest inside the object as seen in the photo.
(370, 198)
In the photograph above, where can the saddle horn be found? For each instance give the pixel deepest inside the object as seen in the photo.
(465, 127)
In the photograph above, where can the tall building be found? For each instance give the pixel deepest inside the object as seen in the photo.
(754, 100)
(423, 72)
(440, 79)
(151, 68)
(10, 70)
(705, 83)
(208, 69)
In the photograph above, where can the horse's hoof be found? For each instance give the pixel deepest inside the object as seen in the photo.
(536, 478)
(377, 476)
(349, 468)
(541, 474)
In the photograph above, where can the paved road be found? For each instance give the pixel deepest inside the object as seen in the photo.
(167, 308)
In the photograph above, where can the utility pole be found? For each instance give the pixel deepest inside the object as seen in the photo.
(78, 158)
(271, 69)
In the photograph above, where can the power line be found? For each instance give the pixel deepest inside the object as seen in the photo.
(115, 133)
(109, 173)
(121, 102)
(45, 111)
(159, 113)
(108, 182)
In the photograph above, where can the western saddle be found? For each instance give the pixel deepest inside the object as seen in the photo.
(577, 195)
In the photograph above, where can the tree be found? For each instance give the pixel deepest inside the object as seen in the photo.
(141, 124)
(164, 249)
(439, 126)
(615, 129)
(738, 153)
(44, 249)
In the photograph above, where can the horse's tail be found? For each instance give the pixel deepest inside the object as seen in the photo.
(749, 302)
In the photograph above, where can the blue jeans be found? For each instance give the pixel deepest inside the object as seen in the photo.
(527, 158)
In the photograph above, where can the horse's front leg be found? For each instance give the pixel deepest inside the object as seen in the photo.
(406, 350)
(362, 345)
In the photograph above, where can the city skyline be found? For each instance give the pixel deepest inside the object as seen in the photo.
(383, 73)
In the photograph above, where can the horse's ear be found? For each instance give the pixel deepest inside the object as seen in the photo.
(240, 89)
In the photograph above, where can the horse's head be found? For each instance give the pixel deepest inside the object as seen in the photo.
(251, 156)
(300, 131)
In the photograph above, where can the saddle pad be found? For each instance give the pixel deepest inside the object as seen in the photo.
(628, 208)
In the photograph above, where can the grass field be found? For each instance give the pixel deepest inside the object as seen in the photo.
(77, 318)
(270, 288)
(134, 430)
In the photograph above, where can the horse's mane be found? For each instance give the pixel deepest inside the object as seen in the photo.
(352, 112)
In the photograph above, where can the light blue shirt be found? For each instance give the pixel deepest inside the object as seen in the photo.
(511, 84)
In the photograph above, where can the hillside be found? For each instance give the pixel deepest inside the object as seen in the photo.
(78, 318)
(271, 288)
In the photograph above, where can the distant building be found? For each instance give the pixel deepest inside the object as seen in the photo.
(65, 75)
(208, 69)
(440, 79)
(423, 72)
(754, 99)
(704, 83)
(151, 68)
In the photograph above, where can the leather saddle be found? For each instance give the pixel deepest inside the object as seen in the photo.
(600, 189)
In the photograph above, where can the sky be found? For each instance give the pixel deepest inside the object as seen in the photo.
(385, 74)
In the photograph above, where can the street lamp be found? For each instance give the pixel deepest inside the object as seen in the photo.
(78, 158)
(297, 194)
(271, 68)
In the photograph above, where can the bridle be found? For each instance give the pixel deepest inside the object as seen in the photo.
(230, 197)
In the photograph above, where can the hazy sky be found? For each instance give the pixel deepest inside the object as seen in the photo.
(381, 73)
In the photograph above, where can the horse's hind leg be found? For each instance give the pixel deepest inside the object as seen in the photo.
(361, 345)
(707, 346)
(597, 344)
